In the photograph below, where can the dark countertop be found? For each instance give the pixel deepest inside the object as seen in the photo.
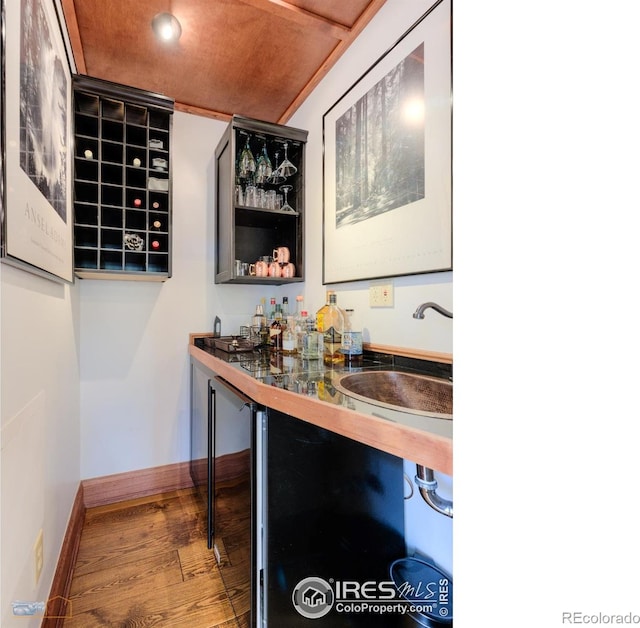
(305, 389)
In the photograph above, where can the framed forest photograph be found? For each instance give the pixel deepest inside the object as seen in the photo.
(37, 226)
(2, 152)
(387, 161)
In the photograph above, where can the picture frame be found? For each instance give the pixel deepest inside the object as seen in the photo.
(2, 141)
(387, 152)
(37, 218)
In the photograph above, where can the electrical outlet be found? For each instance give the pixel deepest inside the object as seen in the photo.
(38, 555)
(381, 295)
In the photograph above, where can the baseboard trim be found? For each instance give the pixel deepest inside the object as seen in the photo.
(232, 467)
(110, 489)
(58, 603)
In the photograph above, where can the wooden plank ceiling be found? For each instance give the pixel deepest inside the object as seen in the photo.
(257, 58)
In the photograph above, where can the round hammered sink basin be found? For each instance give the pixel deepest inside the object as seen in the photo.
(407, 392)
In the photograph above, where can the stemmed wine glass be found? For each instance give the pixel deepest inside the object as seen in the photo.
(286, 169)
(275, 176)
(247, 164)
(263, 166)
(285, 206)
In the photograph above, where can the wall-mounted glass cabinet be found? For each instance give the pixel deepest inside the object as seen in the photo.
(259, 203)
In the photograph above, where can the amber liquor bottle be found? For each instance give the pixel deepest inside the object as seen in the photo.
(333, 327)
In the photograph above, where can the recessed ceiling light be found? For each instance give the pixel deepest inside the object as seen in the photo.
(166, 27)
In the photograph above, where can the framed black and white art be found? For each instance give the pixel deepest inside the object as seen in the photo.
(387, 161)
(37, 225)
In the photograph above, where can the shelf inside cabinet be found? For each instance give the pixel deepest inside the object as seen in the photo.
(263, 281)
(255, 216)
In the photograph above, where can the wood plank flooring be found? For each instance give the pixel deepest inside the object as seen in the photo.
(145, 563)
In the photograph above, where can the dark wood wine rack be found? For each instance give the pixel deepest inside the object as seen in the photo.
(122, 182)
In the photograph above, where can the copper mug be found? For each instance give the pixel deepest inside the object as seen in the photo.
(281, 255)
(288, 270)
(274, 270)
(260, 268)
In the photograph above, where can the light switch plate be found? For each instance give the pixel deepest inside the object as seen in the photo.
(381, 295)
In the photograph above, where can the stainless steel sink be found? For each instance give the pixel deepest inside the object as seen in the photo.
(407, 392)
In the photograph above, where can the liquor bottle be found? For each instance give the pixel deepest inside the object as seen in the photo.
(259, 319)
(300, 329)
(351, 342)
(272, 311)
(348, 319)
(322, 311)
(332, 329)
(275, 330)
(285, 308)
(259, 328)
(311, 340)
(299, 322)
(289, 337)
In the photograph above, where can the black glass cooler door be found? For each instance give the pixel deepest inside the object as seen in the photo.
(332, 508)
(202, 441)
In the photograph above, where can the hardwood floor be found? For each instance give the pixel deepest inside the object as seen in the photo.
(145, 563)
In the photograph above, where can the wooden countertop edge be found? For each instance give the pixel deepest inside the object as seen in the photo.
(431, 450)
(420, 354)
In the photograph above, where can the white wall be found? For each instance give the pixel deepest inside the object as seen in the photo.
(134, 374)
(40, 430)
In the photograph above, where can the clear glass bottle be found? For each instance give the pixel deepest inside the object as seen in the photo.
(272, 311)
(259, 328)
(311, 340)
(259, 319)
(332, 329)
(275, 330)
(300, 329)
(348, 319)
(299, 322)
(289, 337)
(351, 343)
(285, 308)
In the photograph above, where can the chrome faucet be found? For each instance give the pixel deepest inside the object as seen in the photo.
(424, 476)
(419, 313)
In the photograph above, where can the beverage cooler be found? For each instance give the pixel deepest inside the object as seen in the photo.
(318, 505)
(330, 508)
(222, 470)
